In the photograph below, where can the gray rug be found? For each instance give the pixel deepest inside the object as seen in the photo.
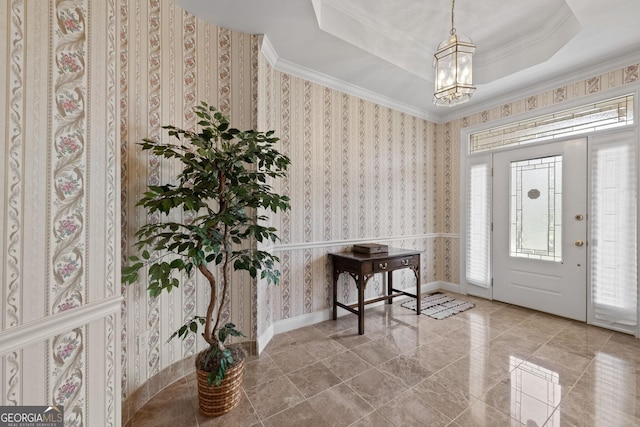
(439, 305)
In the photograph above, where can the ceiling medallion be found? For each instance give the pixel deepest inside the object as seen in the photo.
(453, 64)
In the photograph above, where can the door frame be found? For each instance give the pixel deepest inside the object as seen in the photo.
(466, 158)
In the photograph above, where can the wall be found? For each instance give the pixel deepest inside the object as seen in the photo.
(353, 164)
(563, 93)
(84, 82)
(168, 62)
(359, 172)
(59, 226)
(447, 154)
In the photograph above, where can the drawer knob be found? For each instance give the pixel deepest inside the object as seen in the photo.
(383, 265)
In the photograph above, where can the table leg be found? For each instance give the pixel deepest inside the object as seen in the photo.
(361, 283)
(389, 286)
(418, 291)
(335, 294)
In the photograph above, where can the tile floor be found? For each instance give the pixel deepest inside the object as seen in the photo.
(494, 365)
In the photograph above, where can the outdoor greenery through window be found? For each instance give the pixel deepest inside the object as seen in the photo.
(576, 121)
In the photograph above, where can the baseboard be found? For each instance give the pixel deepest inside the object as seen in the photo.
(264, 339)
(451, 287)
(293, 323)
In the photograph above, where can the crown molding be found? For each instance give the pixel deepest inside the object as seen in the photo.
(289, 67)
(322, 79)
(548, 31)
(564, 80)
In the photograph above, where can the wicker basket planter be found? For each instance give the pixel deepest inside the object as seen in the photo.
(218, 400)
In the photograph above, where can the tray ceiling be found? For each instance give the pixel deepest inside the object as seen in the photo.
(383, 50)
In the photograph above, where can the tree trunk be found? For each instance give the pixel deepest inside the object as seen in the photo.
(208, 333)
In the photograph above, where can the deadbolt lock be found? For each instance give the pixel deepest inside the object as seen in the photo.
(579, 217)
(579, 242)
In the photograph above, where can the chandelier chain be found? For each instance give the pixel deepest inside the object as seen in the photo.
(453, 29)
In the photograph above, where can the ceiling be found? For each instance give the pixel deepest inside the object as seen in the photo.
(382, 50)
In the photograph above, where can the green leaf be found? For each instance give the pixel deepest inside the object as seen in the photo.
(224, 177)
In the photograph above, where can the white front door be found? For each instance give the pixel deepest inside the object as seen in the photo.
(540, 227)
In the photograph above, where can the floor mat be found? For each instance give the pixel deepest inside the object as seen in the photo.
(439, 305)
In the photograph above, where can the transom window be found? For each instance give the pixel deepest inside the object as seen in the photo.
(607, 114)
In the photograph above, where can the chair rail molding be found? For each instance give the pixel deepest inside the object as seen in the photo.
(21, 336)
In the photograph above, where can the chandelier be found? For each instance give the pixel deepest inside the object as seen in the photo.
(452, 62)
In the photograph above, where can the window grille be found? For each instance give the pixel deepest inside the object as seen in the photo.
(607, 114)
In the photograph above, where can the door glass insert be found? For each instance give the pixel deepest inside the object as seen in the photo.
(536, 209)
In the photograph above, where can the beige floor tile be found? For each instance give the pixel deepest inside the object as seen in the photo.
(313, 379)
(462, 341)
(568, 366)
(575, 411)
(437, 356)
(300, 415)
(475, 373)
(305, 335)
(473, 333)
(423, 335)
(346, 365)
(493, 365)
(533, 331)
(171, 406)
(409, 334)
(446, 397)
(323, 348)
(377, 351)
(624, 339)
(280, 342)
(376, 387)
(243, 415)
(400, 340)
(410, 370)
(529, 403)
(375, 419)
(330, 327)
(511, 344)
(581, 339)
(293, 359)
(275, 396)
(340, 406)
(260, 371)
(379, 326)
(409, 410)
(606, 389)
(481, 414)
(350, 338)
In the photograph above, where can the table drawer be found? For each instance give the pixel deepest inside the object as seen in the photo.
(394, 264)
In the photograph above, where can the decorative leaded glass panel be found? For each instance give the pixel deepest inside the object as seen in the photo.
(576, 121)
(536, 209)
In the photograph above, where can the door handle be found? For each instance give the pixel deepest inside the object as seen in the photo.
(579, 243)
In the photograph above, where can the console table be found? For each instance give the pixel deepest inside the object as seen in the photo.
(362, 267)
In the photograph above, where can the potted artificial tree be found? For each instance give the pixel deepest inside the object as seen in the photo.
(225, 183)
